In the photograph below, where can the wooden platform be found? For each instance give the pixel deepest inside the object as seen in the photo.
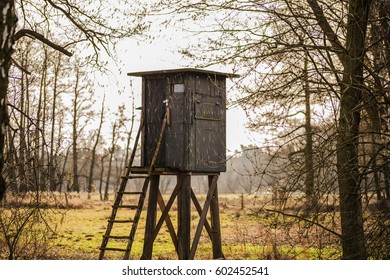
(167, 171)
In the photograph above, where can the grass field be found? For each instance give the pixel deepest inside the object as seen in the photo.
(245, 235)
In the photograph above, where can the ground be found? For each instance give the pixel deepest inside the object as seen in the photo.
(246, 233)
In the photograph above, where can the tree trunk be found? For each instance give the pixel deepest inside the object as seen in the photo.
(101, 176)
(353, 241)
(309, 165)
(38, 168)
(372, 106)
(12, 160)
(52, 167)
(93, 157)
(112, 151)
(36, 163)
(46, 84)
(75, 186)
(7, 30)
(63, 173)
(387, 181)
(22, 137)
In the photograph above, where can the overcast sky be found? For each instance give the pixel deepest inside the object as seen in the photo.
(160, 54)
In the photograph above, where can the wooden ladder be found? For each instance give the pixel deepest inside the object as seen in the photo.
(122, 191)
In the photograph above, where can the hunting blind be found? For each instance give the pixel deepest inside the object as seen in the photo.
(195, 138)
(183, 133)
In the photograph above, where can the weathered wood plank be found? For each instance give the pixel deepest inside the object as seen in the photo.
(215, 222)
(151, 215)
(168, 221)
(203, 216)
(184, 217)
(199, 209)
(162, 217)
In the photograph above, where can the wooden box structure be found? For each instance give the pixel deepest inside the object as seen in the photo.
(195, 139)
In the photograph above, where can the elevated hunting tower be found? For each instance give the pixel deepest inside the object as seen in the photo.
(183, 133)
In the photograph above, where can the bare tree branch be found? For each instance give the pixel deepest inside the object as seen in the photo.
(35, 35)
(20, 67)
(327, 29)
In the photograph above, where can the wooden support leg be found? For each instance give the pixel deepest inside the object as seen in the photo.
(199, 209)
(168, 221)
(151, 216)
(184, 216)
(215, 223)
(203, 216)
(164, 216)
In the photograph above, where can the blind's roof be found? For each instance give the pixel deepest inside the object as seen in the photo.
(182, 70)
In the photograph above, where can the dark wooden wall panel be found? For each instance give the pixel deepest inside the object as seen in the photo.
(195, 140)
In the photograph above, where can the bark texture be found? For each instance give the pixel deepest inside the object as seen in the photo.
(8, 22)
(353, 241)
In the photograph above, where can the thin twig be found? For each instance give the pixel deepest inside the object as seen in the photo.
(303, 219)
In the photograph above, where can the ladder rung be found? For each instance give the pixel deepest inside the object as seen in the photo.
(116, 236)
(133, 207)
(121, 221)
(133, 193)
(134, 177)
(114, 249)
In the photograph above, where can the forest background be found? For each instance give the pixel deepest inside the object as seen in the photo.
(314, 88)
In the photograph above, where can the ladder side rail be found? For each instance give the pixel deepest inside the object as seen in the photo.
(154, 158)
(134, 151)
(144, 189)
(136, 218)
